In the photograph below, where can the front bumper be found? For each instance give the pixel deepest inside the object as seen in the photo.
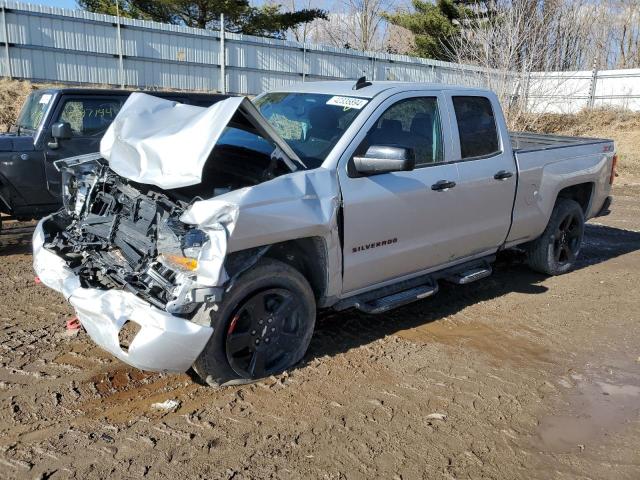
(164, 342)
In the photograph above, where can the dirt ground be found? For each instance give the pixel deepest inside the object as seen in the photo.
(517, 376)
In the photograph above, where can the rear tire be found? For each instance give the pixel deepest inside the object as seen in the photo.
(262, 327)
(556, 250)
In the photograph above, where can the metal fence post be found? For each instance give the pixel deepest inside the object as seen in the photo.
(592, 86)
(6, 39)
(304, 61)
(223, 58)
(119, 41)
(527, 86)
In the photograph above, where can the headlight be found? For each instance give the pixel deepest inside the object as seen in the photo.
(69, 190)
(180, 253)
(77, 184)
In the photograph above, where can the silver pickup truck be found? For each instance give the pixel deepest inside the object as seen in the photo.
(209, 238)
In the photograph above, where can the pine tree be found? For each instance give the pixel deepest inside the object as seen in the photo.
(436, 25)
(240, 16)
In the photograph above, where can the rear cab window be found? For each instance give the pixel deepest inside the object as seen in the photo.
(476, 127)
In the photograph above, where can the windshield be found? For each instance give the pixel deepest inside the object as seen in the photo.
(33, 110)
(310, 123)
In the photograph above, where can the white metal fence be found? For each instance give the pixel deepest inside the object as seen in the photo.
(567, 92)
(51, 44)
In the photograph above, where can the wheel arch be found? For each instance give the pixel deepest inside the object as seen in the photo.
(582, 193)
(307, 255)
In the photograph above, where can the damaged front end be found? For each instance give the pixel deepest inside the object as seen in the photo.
(119, 249)
(143, 235)
(120, 254)
(116, 234)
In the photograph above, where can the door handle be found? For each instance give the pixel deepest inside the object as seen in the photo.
(503, 175)
(443, 185)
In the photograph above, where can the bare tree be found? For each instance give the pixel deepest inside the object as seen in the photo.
(367, 19)
(302, 32)
(519, 38)
(626, 33)
(399, 40)
(356, 24)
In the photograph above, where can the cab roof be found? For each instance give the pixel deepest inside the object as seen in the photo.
(346, 87)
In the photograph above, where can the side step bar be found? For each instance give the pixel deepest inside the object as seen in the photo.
(462, 278)
(396, 295)
(384, 304)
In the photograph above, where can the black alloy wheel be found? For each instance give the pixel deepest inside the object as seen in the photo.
(567, 239)
(262, 327)
(555, 252)
(265, 333)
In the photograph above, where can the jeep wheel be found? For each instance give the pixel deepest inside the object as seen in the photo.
(262, 327)
(556, 250)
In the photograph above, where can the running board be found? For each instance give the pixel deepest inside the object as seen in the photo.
(384, 304)
(468, 276)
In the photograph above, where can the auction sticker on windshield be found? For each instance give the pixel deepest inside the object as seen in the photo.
(347, 102)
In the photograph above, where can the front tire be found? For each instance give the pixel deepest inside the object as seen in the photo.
(262, 327)
(556, 250)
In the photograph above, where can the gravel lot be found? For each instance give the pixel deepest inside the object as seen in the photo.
(517, 376)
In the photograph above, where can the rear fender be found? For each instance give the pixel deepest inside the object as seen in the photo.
(540, 184)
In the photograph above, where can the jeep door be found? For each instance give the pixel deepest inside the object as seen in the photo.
(89, 117)
(399, 223)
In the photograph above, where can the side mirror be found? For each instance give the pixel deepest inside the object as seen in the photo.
(60, 131)
(385, 159)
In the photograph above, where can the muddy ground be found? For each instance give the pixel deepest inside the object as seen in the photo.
(517, 376)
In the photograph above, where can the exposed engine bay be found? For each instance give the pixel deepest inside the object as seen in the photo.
(115, 233)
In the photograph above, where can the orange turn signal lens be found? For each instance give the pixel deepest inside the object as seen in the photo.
(178, 262)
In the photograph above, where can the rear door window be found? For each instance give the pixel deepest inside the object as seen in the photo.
(476, 127)
(90, 117)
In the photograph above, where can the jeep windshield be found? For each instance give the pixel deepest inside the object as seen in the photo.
(33, 111)
(310, 123)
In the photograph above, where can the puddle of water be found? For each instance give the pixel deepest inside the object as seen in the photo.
(598, 408)
(497, 344)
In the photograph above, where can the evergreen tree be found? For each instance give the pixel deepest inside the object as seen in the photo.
(240, 16)
(435, 25)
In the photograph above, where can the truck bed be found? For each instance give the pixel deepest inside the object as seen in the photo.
(527, 142)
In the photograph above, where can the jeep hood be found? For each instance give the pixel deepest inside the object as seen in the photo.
(12, 142)
(166, 144)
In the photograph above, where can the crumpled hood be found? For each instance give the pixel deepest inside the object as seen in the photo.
(10, 142)
(165, 143)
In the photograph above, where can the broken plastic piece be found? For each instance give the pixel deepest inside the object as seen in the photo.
(73, 324)
(166, 405)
